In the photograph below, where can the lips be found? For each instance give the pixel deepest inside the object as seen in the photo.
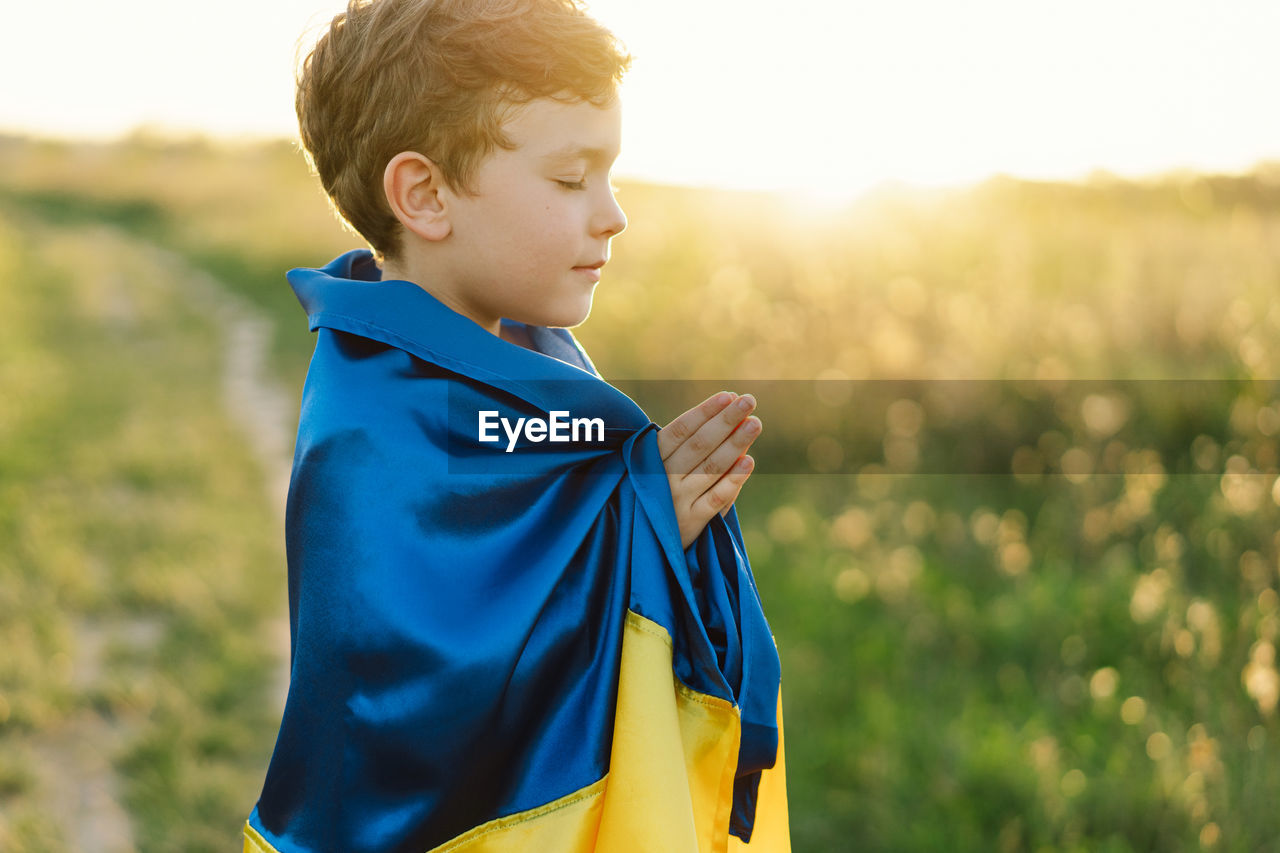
(591, 271)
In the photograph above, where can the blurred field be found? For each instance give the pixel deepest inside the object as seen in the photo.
(1070, 646)
(136, 571)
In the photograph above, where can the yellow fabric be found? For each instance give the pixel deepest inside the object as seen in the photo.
(670, 782)
(671, 769)
(568, 824)
(772, 830)
(255, 843)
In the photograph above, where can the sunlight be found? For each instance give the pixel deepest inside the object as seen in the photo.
(831, 98)
(835, 98)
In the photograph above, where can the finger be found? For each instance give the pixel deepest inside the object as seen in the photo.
(723, 457)
(674, 434)
(688, 489)
(721, 496)
(752, 466)
(704, 442)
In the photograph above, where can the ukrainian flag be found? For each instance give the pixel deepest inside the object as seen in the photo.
(503, 651)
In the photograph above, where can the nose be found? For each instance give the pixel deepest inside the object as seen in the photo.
(610, 220)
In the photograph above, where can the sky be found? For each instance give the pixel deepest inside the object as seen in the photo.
(831, 97)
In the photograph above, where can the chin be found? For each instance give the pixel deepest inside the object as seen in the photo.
(567, 318)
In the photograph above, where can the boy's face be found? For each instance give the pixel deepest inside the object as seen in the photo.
(530, 239)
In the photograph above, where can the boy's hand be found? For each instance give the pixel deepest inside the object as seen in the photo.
(703, 452)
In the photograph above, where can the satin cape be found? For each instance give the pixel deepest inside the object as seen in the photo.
(500, 649)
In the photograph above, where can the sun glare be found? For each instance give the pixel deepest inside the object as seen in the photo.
(827, 97)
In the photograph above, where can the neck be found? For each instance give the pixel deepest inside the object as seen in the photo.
(399, 270)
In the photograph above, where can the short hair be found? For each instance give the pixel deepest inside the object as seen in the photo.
(437, 77)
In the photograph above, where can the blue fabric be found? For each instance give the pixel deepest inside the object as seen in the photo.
(456, 611)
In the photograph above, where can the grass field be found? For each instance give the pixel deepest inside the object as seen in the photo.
(136, 581)
(1026, 614)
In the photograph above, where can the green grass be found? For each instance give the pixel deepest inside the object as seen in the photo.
(130, 511)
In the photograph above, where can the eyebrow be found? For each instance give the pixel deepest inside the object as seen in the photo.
(582, 152)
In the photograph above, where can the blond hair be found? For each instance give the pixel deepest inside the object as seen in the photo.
(437, 77)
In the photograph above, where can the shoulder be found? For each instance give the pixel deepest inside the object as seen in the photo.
(356, 385)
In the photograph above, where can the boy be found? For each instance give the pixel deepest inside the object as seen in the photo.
(509, 633)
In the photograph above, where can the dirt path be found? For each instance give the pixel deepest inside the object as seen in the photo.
(75, 762)
(253, 399)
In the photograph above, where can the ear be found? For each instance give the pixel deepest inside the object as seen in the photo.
(418, 196)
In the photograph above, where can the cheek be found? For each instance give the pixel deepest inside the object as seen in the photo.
(546, 232)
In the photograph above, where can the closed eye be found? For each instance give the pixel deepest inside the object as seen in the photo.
(573, 185)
